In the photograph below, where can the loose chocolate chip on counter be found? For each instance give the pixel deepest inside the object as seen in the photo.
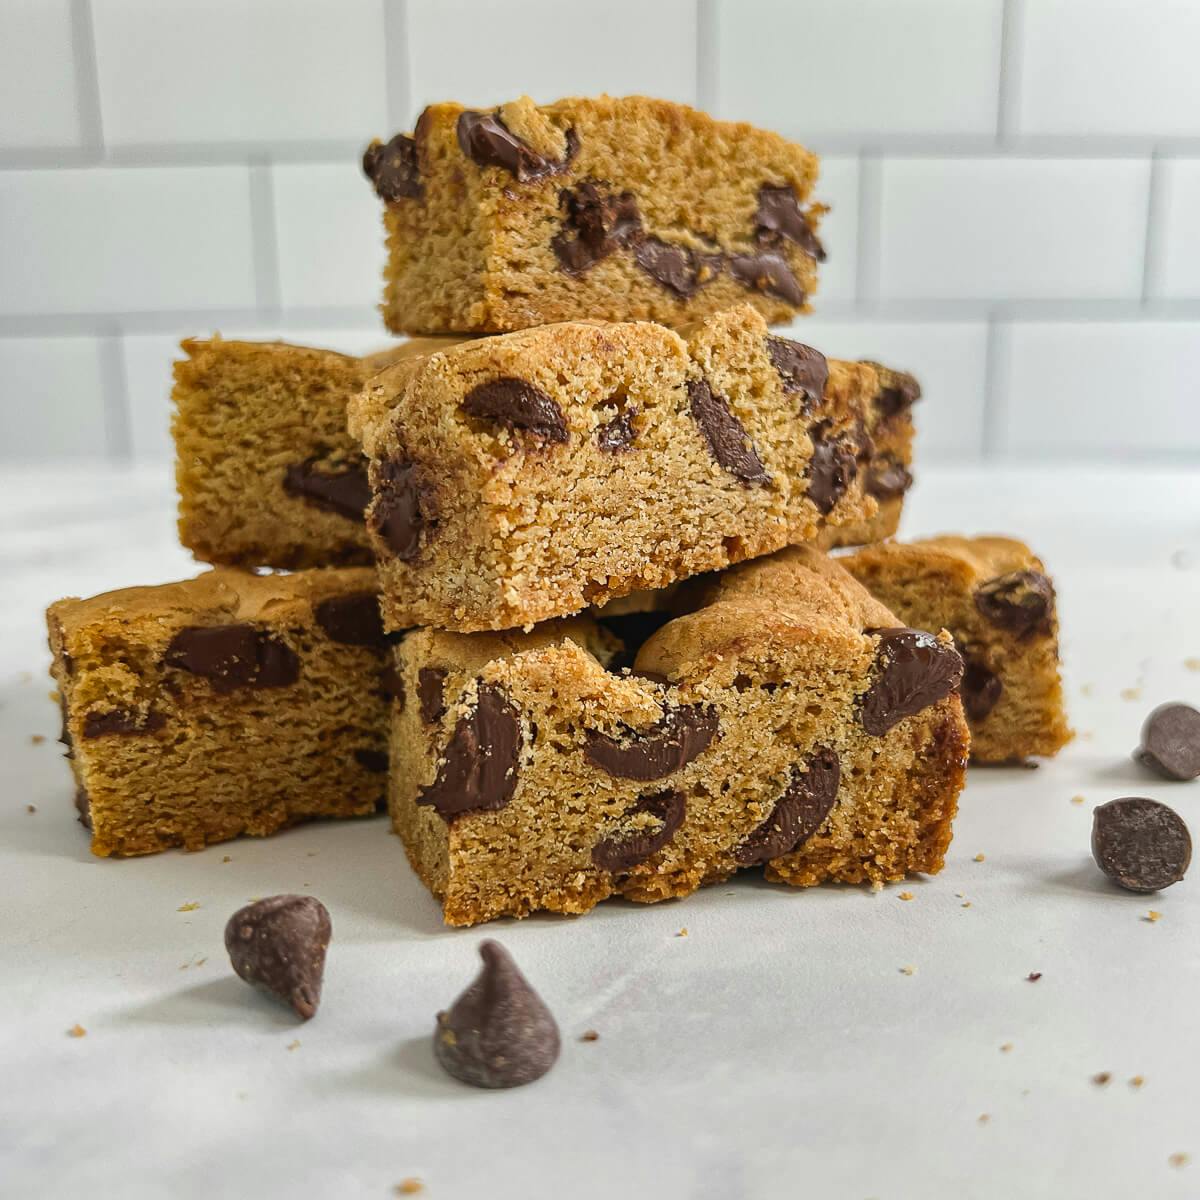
(233, 656)
(392, 168)
(121, 720)
(767, 272)
(679, 736)
(618, 434)
(352, 620)
(1140, 844)
(622, 852)
(1171, 742)
(831, 470)
(798, 813)
(1020, 602)
(980, 690)
(888, 479)
(400, 510)
(913, 671)
(391, 683)
(678, 268)
(498, 1033)
(431, 683)
(726, 437)
(478, 769)
(517, 404)
(779, 215)
(596, 225)
(803, 370)
(372, 760)
(488, 142)
(344, 492)
(279, 944)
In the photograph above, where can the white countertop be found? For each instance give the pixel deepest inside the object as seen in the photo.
(776, 1050)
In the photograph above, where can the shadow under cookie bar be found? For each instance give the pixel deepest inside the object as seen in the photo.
(995, 598)
(784, 722)
(227, 704)
(605, 208)
(528, 476)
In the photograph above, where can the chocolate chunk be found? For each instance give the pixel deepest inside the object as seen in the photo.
(478, 769)
(391, 683)
(279, 944)
(393, 169)
(1171, 742)
(344, 492)
(913, 671)
(1140, 844)
(899, 395)
(888, 479)
(803, 370)
(618, 434)
(767, 272)
(622, 852)
(488, 142)
(400, 511)
(353, 620)
(121, 720)
(798, 813)
(233, 656)
(372, 760)
(431, 682)
(1020, 602)
(596, 225)
(498, 1033)
(980, 690)
(831, 470)
(678, 268)
(518, 405)
(724, 434)
(779, 215)
(679, 736)
(83, 806)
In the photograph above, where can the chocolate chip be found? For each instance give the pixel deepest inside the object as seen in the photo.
(121, 720)
(83, 806)
(802, 369)
(233, 656)
(831, 469)
(488, 142)
(400, 511)
(393, 169)
(372, 760)
(678, 268)
(618, 434)
(353, 620)
(798, 813)
(622, 852)
(980, 690)
(517, 404)
(913, 671)
(887, 479)
(431, 682)
(899, 395)
(478, 769)
(1020, 602)
(391, 683)
(1171, 742)
(596, 225)
(344, 492)
(667, 746)
(279, 944)
(1140, 844)
(498, 1033)
(767, 272)
(779, 215)
(724, 434)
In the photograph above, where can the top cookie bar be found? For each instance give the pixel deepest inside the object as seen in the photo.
(613, 209)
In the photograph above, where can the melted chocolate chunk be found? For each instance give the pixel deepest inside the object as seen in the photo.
(1140, 844)
(798, 813)
(372, 760)
(233, 656)
(399, 512)
(901, 393)
(344, 492)
(831, 470)
(498, 1033)
(352, 620)
(679, 736)
(279, 944)
(913, 671)
(392, 168)
(121, 720)
(779, 215)
(431, 684)
(618, 434)
(678, 268)
(1171, 742)
(888, 479)
(596, 225)
(488, 142)
(517, 404)
(724, 434)
(391, 683)
(804, 371)
(622, 852)
(980, 690)
(478, 769)
(767, 272)
(1020, 602)
(83, 806)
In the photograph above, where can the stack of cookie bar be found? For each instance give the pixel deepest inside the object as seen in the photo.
(558, 589)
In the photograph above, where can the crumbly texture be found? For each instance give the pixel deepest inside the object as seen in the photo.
(525, 477)
(1012, 692)
(227, 704)
(533, 773)
(610, 208)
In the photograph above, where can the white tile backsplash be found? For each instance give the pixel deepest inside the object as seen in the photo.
(1177, 244)
(37, 75)
(838, 187)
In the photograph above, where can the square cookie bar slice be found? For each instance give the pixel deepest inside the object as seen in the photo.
(604, 208)
(785, 721)
(227, 704)
(997, 601)
(525, 477)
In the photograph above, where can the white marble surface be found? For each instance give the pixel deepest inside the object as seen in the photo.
(776, 1050)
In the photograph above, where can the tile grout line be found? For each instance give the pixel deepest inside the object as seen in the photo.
(708, 77)
(114, 386)
(267, 284)
(1156, 202)
(87, 76)
(397, 66)
(995, 384)
(869, 231)
(1009, 79)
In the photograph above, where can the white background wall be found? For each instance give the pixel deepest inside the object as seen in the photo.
(1016, 189)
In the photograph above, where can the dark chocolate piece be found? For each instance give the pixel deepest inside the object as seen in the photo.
(804, 371)
(980, 690)
(233, 656)
(1140, 844)
(352, 620)
(345, 492)
(372, 760)
(913, 671)
(618, 434)
(725, 436)
(398, 514)
(431, 682)
(1020, 602)
(391, 683)
(393, 169)
(887, 479)
(831, 469)
(620, 852)
(488, 142)
(679, 736)
(900, 394)
(517, 404)
(678, 268)
(767, 272)
(596, 225)
(779, 215)
(1171, 742)
(798, 813)
(121, 720)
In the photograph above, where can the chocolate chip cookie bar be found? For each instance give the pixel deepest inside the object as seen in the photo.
(785, 720)
(524, 477)
(997, 601)
(614, 209)
(227, 704)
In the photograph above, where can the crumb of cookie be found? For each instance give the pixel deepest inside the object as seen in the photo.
(37, 739)
(984, 1118)
(1152, 915)
(877, 885)
(909, 970)
(294, 1045)
(77, 1031)
(1137, 1081)
(409, 1187)
(907, 896)
(31, 808)
(1006, 1048)
(1179, 1160)
(965, 904)
(1033, 976)
(981, 858)
(589, 1035)
(1131, 693)
(190, 906)
(1085, 689)
(25, 677)
(227, 858)
(683, 932)
(1102, 1078)
(1076, 799)
(1192, 664)
(310, 854)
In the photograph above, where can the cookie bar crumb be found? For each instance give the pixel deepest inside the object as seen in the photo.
(77, 1031)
